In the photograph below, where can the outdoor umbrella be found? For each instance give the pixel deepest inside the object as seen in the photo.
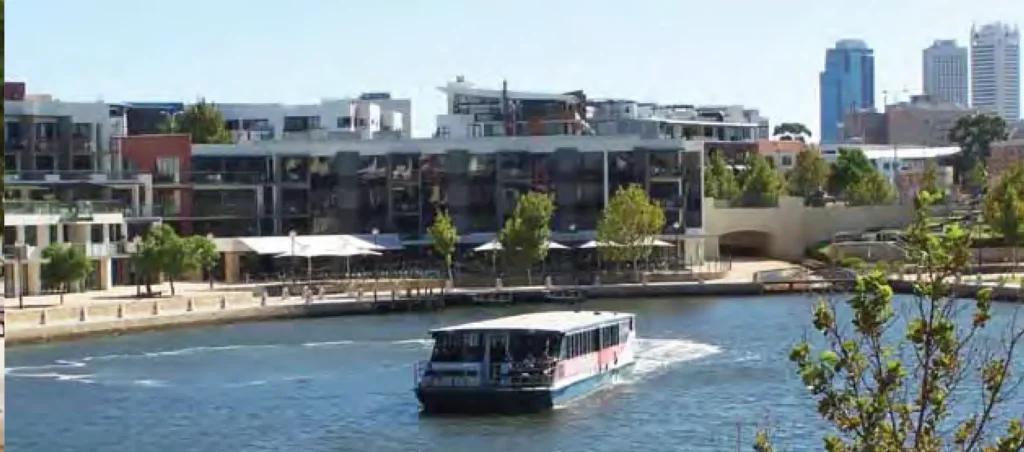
(309, 252)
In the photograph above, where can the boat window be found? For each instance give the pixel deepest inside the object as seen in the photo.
(595, 340)
(457, 347)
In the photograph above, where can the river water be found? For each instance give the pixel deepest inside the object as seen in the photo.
(710, 371)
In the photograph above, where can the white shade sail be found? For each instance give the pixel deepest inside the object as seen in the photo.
(283, 244)
(495, 245)
(308, 251)
(596, 244)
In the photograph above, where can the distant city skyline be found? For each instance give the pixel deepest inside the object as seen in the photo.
(268, 51)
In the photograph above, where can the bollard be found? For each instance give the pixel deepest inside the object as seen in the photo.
(156, 308)
(223, 302)
(83, 315)
(547, 281)
(42, 317)
(120, 311)
(191, 306)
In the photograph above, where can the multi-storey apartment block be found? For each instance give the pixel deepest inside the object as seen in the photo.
(270, 188)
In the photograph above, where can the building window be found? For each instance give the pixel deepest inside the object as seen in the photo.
(344, 122)
(168, 168)
(787, 160)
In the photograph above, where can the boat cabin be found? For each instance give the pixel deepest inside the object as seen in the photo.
(524, 350)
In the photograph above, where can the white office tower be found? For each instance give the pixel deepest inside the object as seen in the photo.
(945, 72)
(995, 69)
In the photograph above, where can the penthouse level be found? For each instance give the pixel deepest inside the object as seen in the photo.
(266, 188)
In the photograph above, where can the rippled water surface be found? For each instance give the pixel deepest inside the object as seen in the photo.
(708, 371)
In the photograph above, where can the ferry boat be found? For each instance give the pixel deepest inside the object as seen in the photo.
(524, 363)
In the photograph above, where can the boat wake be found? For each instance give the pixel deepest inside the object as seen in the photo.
(657, 355)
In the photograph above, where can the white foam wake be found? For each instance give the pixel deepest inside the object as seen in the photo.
(654, 355)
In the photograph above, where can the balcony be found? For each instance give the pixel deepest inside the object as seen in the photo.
(227, 209)
(244, 136)
(77, 211)
(166, 210)
(36, 176)
(227, 178)
(82, 144)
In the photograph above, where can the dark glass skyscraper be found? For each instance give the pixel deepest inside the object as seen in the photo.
(847, 84)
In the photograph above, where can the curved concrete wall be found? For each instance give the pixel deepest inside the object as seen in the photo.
(793, 227)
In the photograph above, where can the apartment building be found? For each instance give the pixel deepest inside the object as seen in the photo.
(395, 187)
(1003, 155)
(30, 226)
(70, 151)
(945, 72)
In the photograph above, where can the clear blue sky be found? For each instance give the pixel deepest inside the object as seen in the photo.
(765, 54)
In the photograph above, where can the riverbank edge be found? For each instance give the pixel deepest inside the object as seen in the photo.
(80, 330)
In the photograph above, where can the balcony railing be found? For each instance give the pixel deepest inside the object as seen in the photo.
(77, 211)
(69, 176)
(166, 210)
(203, 210)
(227, 178)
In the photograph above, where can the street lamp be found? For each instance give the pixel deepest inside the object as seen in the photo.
(209, 270)
(291, 235)
(572, 230)
(675, 227)
(376, 274)
(19, 248)
(134, 251)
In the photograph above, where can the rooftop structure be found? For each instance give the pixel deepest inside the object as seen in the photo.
(555, 321)
(370, 116)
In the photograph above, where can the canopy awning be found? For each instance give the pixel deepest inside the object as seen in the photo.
(283, 244)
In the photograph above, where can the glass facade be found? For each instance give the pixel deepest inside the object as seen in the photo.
(847, 85)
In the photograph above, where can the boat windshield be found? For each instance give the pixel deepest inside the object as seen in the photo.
(457, 347)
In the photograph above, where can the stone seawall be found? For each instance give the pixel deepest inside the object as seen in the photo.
(70, 322)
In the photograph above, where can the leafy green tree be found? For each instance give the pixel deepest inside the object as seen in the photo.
(65, 265)
(630, 221)
(888, 380)
(976, 178)
(164, 252)
(445, 237)
(525, 236)
(762, 184)
(850, 166)
(789, 131)
(203, 121)
(1003, 207)
(719, 179)
(870, 190)
(975, 135)
(203, 254)
(809, 175)
(930, 178)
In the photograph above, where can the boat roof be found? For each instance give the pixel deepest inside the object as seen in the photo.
(553, 321)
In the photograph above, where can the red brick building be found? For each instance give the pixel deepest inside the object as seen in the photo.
(169, 159)
(1004, 154)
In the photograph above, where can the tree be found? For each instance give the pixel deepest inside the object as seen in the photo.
(445, 237)
(1003, 208)
(762, 184)
(163, 251)
(930, 178)
(870, 190)
(630, 221)
(203, 121)
(719, 180)
(850, 166)
(65, 265)
(809, 175)
(975, 135)
(202, 253)
(977, 176)
(789, 131)
(525, 236)
(889, 380)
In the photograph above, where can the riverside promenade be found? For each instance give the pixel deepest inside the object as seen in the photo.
(119, 310)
